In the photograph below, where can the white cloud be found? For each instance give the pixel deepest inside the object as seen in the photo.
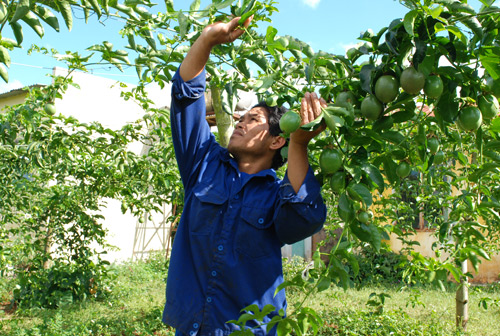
(311, 3)
(12, 85)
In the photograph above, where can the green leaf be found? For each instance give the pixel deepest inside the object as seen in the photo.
(284, 327)
(376, 237)
(183, 24)
(365, 76)
(47, 16)
(4, 56)
(195, 5)
(22, 8)
(323, 284)
(458, 33)
(361, 231)
(17, 29)
(65, 10)
(374, 175)
(95, 7)
(457, 274)
(345, 208)
(409, 21)
(390, 170)
(34, 23)
(260, 60)
(4, 73)
(490, 60)
(170, 6)
(473, 24)
(360, 192)
(436, 11)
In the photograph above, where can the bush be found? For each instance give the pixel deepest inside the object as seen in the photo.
(384, 267)
(395, 322)
(61, 284)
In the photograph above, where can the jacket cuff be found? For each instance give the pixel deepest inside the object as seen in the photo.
(192, 89)
(308, 191)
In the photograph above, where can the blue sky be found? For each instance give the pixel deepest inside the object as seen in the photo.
(329, 25)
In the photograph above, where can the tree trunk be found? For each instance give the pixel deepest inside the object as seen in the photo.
(225, 121)
(462, 300)
(47, 246)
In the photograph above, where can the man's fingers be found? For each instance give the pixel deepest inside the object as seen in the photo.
(304, 107)
(316, 107)
(323, 102)
(234, 31)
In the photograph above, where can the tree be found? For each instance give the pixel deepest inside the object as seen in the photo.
(374, 125)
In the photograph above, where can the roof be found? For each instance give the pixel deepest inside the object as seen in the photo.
(15, 92)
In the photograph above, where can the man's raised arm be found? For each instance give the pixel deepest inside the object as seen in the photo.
(212, 35)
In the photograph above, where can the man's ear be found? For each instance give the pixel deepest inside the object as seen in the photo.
(278, 142)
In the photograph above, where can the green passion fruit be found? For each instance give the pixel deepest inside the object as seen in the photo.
(50, 109)
(330, 160)
(371, 108)
(290, 122)
(433, 145)
(386, 88)
(439, 157)
(412, 81)
(345, 99)
(337, 181)
(433, 87)
(488, 105)
(403, 169)
(363, 217)
(469, 118)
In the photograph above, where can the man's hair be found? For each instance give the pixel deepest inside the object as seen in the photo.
(274, 114)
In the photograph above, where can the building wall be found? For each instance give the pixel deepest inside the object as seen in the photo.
(488, 270)
(14, 99)
(99, 99)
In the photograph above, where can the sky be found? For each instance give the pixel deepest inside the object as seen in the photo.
(328, 25)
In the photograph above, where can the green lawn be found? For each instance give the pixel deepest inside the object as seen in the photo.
(135, 305)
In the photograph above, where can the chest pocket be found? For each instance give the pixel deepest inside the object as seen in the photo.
(207, 207)
(255, 236)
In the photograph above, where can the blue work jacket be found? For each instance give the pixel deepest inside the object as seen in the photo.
(226, 253)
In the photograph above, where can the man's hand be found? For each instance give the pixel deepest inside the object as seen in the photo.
(310, 109)
(212, 35)
(222, 32)
(298, 163)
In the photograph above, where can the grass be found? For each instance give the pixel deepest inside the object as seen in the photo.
(135, 306)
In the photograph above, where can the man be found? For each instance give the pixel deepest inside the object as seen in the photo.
(237, 214)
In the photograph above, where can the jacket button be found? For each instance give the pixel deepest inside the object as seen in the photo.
(261, 220)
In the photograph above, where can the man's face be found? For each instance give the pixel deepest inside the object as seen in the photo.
(251, 134)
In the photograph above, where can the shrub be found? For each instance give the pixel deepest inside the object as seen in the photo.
(379, 267)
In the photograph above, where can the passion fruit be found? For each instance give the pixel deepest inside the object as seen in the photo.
(403, 169)
(386, 88)
(439, 157)
(433, 145)
(345, 99)
(337, 181)
(433, 87)
(290, 122)
(470, 118)
(412, 81)
(330, 160)
(371, 108)
(50, 109)
(488, 105)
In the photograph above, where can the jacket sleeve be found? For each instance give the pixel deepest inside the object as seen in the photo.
(299, 215)
(190, 132)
